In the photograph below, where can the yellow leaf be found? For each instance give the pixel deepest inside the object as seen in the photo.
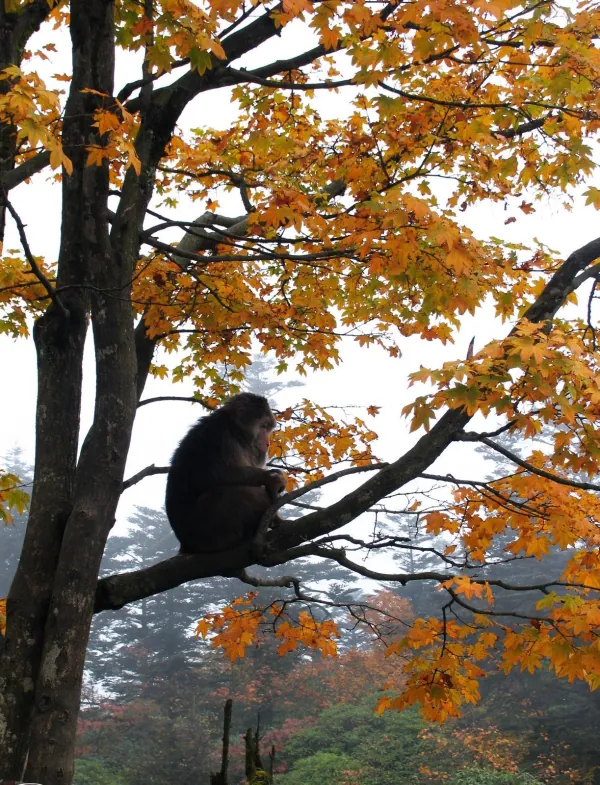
(203, 627)
(96, 155)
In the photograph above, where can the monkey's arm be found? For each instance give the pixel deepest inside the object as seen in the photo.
(247, 475)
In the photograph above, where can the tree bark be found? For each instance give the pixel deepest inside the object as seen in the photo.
(86, 255)
(59, 337)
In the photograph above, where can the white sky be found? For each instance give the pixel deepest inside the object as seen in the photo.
(366, 376)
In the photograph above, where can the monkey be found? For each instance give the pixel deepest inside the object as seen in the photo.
(218, 488)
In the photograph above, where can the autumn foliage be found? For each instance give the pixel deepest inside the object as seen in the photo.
(331, 210)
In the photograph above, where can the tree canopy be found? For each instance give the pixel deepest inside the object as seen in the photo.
(334, 229)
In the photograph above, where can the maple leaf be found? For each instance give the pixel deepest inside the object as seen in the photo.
(592, 196)
(330, 36)
(96, 155)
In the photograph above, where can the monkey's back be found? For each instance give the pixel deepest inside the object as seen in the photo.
(207, 445)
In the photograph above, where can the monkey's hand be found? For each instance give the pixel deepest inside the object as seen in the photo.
(275, 483)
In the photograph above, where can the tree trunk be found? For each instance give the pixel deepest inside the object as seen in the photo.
(68, 524)
(59, 338)
(220, 777)
(101, 465)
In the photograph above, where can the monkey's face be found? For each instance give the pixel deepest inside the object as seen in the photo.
(264, 429)
(255, 420)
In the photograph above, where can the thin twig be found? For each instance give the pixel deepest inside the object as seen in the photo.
(586, 486)
(149, 471)
(191, 399)
(31, 259)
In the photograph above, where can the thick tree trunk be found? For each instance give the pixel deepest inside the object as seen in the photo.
(101, 465)
(59, 345)
(59, 337)
(105, 264)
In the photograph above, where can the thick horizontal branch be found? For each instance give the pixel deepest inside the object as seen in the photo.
(118, 590)
(13, 177)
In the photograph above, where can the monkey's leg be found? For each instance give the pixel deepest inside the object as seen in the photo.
(223, 518)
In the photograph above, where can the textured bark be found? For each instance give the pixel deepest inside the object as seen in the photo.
(59, 336)
(220, 777)
(86, 257)
(59, 345)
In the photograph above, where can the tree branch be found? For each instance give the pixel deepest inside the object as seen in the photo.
(261, 534)
(25, 22)
(473, 436)
(520, 130)
(28, 168)
(586, 486)
(36, 270)
(149, 471)
(190, 399)
(561, 283)
(285, 582)
(252, 77)
(289, 539)
(173, 98)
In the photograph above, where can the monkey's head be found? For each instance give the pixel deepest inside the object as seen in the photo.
(253, 417)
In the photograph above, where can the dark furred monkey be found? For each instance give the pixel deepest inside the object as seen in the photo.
(218, 488)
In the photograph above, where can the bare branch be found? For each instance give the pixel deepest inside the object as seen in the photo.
(190, 399)
(31, 259)
(252, 77)
(586, 486)
(289, 497)
(286, 581)
(149, 471)
(260, 537)
(473, 436)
